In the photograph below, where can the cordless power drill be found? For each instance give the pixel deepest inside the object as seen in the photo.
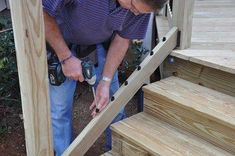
(89, 74)
(57, 77)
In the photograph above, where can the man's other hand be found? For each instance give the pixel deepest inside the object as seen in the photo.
(72, 69)
(102, 97)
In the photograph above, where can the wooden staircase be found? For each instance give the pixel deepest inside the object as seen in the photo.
(180, 118)
(191, 111)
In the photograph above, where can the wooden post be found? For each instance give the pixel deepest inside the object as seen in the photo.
(182, 18)
(29, 36)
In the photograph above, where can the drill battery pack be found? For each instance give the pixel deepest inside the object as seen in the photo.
(55, 73)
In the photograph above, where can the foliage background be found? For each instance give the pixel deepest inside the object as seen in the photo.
(9, 85)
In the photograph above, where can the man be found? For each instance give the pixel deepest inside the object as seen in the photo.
(89, 22)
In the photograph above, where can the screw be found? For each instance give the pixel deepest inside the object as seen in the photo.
(164, 39)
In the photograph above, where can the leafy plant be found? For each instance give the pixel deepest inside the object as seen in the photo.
(134, 57)
(9, 85)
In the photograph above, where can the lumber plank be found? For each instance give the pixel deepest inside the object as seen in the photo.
(213, 24)
(110, 153)
(131, 150)
(29, 37)
(182, 18)
(93, 130)
(199, 110)
(218, 59)
(124, 147)
(159, 138)
(117, 141)
(162, 26)
(214, 12)
(213, 46)
(212, 78)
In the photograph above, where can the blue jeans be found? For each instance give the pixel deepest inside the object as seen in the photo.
(61, 98)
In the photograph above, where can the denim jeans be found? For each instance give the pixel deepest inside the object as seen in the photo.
(61, 98)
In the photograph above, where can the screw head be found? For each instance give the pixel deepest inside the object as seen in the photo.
(164, 39)
(126, 83)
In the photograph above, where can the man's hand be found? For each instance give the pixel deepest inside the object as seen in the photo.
(72, 69)
(102, 97)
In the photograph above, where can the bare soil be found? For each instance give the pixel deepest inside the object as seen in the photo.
(12, 140)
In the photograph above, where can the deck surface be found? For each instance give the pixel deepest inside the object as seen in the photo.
(213, 35)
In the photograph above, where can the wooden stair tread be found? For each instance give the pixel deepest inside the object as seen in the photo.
(110, 153)
(160, 138)
(218, 59)
(210, 102)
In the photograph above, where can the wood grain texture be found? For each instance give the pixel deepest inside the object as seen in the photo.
(29, 36)
(162, 27)
(117, 141)
(199, 110)
(223, 60)
(124, 147)
(213, 23)
(161, 139)
(183, 18)
(215, 79)
(94, 129)
(110, 153)
(130, 150)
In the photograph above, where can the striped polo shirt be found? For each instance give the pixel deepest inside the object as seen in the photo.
(89, 22)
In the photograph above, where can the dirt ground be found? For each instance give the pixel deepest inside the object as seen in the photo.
(12, 141)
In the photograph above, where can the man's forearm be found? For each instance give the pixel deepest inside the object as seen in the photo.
(116, 53)
(54, 37)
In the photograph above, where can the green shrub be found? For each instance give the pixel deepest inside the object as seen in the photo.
(9, 83)
(135, 55)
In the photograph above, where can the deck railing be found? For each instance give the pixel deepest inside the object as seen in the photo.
(29, 36)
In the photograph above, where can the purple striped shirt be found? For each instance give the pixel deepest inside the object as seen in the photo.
(94, 21)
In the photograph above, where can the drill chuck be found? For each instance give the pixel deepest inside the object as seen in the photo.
(88, 71)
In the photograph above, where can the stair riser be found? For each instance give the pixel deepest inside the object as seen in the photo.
(211, 78)
(206, 127)
(124, 147)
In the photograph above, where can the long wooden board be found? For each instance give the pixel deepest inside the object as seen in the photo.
(93, 130)
(32, 68)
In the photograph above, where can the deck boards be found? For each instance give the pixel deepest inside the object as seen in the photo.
(213, 35)
(214, 22)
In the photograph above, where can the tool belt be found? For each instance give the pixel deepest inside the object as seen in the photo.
(86, 50)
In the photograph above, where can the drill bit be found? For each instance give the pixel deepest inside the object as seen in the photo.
(96, 105)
